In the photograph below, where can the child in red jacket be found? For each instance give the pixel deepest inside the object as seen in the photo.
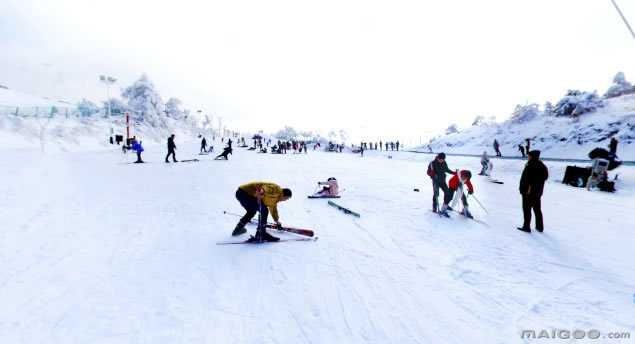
(456, 184)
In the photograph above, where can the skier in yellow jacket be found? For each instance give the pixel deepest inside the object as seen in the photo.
(260, 197)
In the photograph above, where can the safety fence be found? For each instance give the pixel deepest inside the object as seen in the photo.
(39, 111)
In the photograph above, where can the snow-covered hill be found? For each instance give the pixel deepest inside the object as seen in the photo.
(68, 131)
(557, 137)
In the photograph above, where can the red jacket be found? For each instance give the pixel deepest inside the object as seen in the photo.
(454, 183)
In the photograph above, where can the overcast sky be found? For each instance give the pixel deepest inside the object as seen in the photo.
(407, 67)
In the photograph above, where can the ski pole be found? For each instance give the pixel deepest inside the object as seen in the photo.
(479, 203)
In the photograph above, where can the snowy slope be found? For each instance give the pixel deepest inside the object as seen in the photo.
(557, 137)
(94, 249)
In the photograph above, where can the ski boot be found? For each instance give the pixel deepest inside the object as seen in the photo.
(467, 213)
(444, 211)
(524, 229)
(240, 229)
(268, 237)
(262, 236)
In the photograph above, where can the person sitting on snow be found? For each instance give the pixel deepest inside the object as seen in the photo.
(455, 185)
(329, 188)
(486, 165)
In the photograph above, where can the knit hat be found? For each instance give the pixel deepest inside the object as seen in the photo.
(535, 154)
(441, 156)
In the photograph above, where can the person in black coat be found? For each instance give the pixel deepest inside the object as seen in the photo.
(171, 149)
(522, 150)
(532, 183)
(436, 171)
(224, 155)
(203, 146)
(613, 146)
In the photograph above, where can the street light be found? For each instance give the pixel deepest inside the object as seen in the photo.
(108, 80)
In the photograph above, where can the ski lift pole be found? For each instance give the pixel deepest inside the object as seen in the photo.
(479, 203)
(628, 26)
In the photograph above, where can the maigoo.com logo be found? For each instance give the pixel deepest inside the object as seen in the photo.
(572, 334)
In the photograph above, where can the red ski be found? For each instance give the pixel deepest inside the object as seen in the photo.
(299, 231)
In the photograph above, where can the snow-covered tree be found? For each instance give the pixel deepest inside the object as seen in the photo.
(173, 108)
(548, 110)
(525, 113)
(145, 102)
(286, 134)
(87, 108)
(117, 107)
(619, 87)
(452, 129)
(576, 103)
(478, 120)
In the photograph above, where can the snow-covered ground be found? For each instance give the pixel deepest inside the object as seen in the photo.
(94, 249)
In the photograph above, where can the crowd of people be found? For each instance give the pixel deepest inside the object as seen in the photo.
(377, 146)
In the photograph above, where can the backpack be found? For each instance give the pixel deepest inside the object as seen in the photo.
(430, 172)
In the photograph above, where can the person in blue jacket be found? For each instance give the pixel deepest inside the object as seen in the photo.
(137, 147)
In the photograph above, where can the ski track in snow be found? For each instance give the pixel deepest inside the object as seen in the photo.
(96, 250)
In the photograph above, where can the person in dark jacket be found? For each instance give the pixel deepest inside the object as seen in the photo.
(436, 171)
(522, 150)
(203, 146)
(497, 148)
(224, 154)
(532, 183)
(171, 149)
(613, 146)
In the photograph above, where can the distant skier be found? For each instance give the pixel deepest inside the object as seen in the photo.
(203, 145)
(171, 149)
(613, 146)
(528, 146)
(380, 146)
(456, 183)
(522, 150)
(397, 145)
(486, 165)
(497, 148)
(229, 143)
(225, 154)
(138, 148)
(532, 183)
(436, 171)
(260, 197)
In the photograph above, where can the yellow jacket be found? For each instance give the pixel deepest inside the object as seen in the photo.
(272, 195)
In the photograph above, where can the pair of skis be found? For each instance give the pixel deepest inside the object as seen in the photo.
(469, 218)
(309, 235)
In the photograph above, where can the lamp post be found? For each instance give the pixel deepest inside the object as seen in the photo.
(107, 80)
